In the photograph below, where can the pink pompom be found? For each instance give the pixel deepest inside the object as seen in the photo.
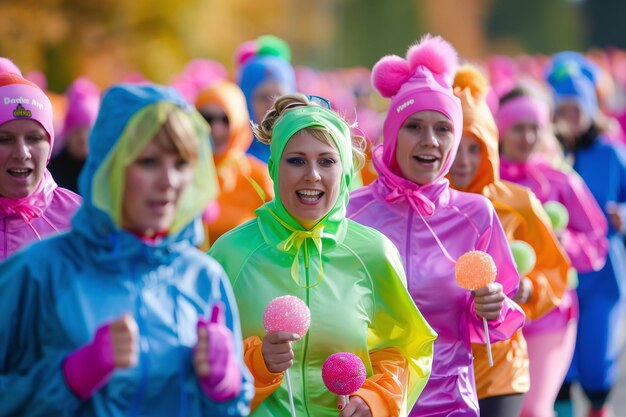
(389, 74)
(436, 54)
(343, 373)
(287, 314)
(245, 51)
(6, 65)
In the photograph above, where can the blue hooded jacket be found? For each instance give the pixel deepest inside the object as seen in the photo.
(55, 294)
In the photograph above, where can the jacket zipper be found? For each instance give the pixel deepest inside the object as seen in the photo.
(407, 249)
(306, 345)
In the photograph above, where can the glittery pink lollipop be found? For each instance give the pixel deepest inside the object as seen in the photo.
(474, 270)
(343, 374)
(287, 314)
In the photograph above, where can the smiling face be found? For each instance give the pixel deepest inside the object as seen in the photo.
(24, 149)
(467, 160)
(424, 142)
(309, 178)
(519, 142)
(154, 183)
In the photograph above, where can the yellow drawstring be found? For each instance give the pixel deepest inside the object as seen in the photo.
(257, 188)
(295, 240)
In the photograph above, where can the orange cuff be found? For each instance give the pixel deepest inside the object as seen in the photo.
(384, 392)
(370, 394)
(253, 358)
(265, 381)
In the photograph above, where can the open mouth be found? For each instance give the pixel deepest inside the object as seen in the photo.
(20, 172)
(159, 205)
(309, 196)
(425, 159)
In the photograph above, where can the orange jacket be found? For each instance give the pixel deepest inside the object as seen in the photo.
(523, 218)
(237, 198)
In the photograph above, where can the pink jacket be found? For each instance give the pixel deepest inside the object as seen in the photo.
(584, 239)
(432, 228)
(47, 210)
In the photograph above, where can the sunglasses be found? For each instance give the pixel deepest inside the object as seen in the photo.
(212, 118)
(320, 101)
(317, 100)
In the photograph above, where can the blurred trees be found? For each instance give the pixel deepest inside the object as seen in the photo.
(110, 39)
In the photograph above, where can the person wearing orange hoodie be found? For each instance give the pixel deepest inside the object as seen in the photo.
(244, 180)
(476, 169)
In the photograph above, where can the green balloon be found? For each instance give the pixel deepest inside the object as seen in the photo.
(558, 215)
(524, 256)
(572, 278)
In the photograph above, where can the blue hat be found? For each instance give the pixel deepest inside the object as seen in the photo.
(574, 77)
(262, 68)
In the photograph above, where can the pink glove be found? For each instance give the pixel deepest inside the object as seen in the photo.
(215, 361)
(89, 368)
(114, 346)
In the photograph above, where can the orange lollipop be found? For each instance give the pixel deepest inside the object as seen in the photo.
(473, 270)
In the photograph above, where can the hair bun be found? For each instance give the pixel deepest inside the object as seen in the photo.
(389, 73)
(469, 77)
(436, 54)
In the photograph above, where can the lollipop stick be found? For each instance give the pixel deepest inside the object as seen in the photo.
(343, 402)
(488, 342)
(293, 407)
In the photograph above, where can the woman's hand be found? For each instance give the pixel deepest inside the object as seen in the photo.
(125, 341)
(356, 408)
(488, 300)
(214, 347)
(277, 352)
(214, 357)
(524, 292)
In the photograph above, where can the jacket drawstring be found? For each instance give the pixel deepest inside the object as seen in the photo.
(296, 239)
(27, 212)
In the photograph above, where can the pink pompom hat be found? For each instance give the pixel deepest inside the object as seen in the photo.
(422, 81)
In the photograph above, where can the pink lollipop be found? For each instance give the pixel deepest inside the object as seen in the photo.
(474, 270)
(343, 374)
(287, 314)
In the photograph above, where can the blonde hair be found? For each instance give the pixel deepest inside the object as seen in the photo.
(180, 136)
(283, 104)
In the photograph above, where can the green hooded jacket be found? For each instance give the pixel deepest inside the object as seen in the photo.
(350, 276)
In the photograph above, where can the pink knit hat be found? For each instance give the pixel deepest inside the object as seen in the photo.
(22, 99)
(83, 102)
(422, 81)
